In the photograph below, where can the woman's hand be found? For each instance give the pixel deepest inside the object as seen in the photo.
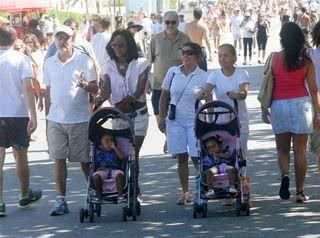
(232, 95)
(265, 115)
(162, 125)
(317, 121)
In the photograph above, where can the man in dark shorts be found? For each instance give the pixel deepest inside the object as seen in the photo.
(17, 104)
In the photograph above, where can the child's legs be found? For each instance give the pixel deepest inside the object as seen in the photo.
(210, 177)
(120, 182)
(232, 174)
(98, 177)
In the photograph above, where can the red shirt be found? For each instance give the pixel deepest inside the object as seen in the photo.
(287, 84)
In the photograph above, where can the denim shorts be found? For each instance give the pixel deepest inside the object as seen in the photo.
(292, 115)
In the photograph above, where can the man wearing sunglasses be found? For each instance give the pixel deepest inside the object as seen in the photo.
(198, 33)
(69, 77)
(164, 53)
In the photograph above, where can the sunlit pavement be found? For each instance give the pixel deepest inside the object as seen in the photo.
(161, 217)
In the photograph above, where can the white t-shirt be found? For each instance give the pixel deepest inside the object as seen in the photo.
(315, 57)
(248, 29)
(124, 86)
(99, 42)
(156, 28)
(15, 68)
(182, 27)
(235, 22)
(223, 84)
(69, 103)
(185, 109)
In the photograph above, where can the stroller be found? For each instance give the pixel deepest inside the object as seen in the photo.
(219, 119)
(111, 121)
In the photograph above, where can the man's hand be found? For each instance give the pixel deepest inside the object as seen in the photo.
(162, 125)
(32, 126)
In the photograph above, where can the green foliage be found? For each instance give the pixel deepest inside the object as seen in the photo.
(62, 15)
(4, 14)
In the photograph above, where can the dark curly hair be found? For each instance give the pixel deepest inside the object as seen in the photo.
(132, 49)
(294, 46)
(315, 34)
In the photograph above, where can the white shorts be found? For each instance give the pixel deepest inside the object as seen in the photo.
(181, 138)
(236, 36)
(141, 122)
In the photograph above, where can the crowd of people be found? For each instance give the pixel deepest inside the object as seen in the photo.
(78, 70)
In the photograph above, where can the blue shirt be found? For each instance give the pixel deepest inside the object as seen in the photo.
(107, 159)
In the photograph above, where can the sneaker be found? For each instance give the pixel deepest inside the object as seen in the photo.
(232, 190)
(2, 209)
(210, 193)
(60, 207)
(140, 198)
(284, 192)
(32, 197)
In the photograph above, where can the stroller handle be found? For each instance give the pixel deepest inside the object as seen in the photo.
(216, 104)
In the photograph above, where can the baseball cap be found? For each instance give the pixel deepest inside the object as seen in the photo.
(65, 29)
(132, 24)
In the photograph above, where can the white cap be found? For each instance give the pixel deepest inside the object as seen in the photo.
(65, 29)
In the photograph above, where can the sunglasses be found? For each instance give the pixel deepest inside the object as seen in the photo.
(187, 52)
(170, 22)
(115, 45)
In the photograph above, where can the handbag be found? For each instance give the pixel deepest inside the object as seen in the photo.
(266, 89)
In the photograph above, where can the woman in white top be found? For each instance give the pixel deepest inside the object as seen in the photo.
(315, 57)
(181, 85)
(35, 54)
(124, 80)
(230, 84)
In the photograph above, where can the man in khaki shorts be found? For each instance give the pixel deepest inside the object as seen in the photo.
(69, 77)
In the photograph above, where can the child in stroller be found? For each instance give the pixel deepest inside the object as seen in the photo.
(108, 167)
(216, 162)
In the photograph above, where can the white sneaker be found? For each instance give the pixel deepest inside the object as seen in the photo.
(210, 193)
(232, 190)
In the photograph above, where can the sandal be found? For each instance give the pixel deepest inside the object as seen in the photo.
(184, 199)
(284, 192)
(301, 197)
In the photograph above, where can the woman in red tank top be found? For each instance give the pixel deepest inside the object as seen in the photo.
(291, 109)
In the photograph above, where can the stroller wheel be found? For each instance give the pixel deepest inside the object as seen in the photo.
(98, 210)
(82, 215)
(91, 212)
(124, 214)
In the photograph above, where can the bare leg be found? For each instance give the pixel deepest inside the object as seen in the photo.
(2, 158)
(85, 169)
(120, 181)
(60, 169)
(22, 170)
(283, 148)
(97, 181)
(183, 171)
(139, 141)
(300, 159)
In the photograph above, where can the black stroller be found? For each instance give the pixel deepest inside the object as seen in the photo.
(112, 121)
(219, 119)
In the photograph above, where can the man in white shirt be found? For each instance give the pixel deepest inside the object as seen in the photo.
(235, 22)
(248, 27)
(69, 77)
(18, 117)
(100, 40)
(157, 26)
(182, 23)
